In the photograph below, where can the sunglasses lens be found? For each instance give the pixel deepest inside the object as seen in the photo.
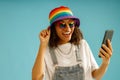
(71, 25)
(62, 25)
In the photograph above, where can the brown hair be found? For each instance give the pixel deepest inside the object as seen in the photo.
(75, 39)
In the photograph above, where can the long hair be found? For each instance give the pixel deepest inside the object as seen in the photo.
(75, 39)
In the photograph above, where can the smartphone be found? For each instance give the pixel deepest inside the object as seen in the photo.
(108, 35)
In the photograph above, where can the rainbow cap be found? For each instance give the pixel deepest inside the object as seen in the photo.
(61, 13)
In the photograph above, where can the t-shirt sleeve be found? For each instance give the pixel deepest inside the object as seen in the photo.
(47, 64)
(93, 62)
(45, 72)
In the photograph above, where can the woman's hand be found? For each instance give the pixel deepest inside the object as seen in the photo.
(37, 71)
(44, 36)
(106, 52)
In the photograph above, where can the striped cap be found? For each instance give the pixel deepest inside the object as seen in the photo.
(61, 13)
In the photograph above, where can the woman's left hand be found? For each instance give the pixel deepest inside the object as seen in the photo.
(106, 52)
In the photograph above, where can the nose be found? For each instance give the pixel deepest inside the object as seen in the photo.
(67, 28)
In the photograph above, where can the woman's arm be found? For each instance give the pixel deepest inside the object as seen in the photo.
(98, 73)
(37, 71)
(105, 53)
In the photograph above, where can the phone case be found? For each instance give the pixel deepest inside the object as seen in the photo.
(108, 35)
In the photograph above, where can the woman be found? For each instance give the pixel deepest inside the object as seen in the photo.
(64, 54)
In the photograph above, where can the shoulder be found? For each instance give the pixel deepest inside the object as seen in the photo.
(83, 42)
(47, 54)
(84, 45)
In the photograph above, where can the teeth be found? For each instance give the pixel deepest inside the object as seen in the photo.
(67, 33)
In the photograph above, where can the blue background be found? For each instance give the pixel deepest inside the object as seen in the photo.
(22, 20)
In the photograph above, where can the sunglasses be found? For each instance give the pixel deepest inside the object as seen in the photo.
(64, 25)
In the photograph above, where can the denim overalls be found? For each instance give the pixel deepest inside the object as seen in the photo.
(75, 72)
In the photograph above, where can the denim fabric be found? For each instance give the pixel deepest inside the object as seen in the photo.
(75, 72)
(69, 73)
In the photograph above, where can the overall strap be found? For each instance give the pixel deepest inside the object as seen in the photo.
(77, 51)
(53, 56)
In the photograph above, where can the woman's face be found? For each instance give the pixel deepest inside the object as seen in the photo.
(64, 30)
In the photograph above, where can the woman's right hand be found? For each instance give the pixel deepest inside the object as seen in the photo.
(44, 37)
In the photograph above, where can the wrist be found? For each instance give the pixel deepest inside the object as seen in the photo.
(106, 62)
(43, 45)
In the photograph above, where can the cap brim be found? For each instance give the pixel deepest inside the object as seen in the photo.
(67, 17)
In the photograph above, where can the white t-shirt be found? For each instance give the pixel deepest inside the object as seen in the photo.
(66, 56)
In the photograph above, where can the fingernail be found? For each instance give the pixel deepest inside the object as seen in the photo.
(108, 40)
(103, 44)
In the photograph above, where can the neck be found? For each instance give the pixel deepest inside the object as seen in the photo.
(61, 42)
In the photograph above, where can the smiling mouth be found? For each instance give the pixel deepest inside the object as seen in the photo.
(67, 34)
